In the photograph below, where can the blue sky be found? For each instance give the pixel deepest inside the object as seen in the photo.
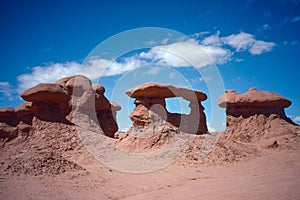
(253, 44)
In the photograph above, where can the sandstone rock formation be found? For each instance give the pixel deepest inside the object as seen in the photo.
(105, 111)
(57, 102)
(257, 115)
(151, 107)
(8, 123)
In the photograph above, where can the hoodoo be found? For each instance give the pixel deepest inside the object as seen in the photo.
(55, 102)
(151, 107)
(255, 115)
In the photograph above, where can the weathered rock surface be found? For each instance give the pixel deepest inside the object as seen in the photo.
(45, 92)
(98, 88)
(257, 116)
(58, 102)
(151, 107)
(25, 112)
(165, 91)
(75, 85)
(253, 98)
(8, 115)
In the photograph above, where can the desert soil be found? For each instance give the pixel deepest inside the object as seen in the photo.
(274, 174)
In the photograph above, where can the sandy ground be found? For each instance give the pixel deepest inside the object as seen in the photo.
(273, 175)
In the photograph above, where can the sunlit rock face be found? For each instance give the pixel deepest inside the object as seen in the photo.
(255, 115)
(151, 107)
(57, 102)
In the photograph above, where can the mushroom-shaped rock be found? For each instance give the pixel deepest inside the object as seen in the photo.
(165, 91)
(151, 107)
(45, 92)
(255, 115)
(253, 98)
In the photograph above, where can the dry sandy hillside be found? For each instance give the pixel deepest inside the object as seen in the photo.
(51, 163)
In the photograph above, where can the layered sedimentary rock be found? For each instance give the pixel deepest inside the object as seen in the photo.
(151, 107)
(253, 102)
(8, 123)
(256, 115)
(57, 102)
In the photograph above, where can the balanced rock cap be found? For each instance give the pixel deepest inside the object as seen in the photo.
(165, 91)
(252, 97)
(45, 92)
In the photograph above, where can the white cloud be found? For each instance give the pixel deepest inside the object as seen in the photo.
(151, 43)
(200, 34)
(247, 42)
(296, 119)
(210, 129)
(165, 41)
(259, 47)
(47, 74)
(239, 60)
(213, 40)
(206, 79)
(240, 42)
(154, 70)
(183, 53)
(6, 90)
(93, 69)
(187, 53)
(264, 28)
(172, 75)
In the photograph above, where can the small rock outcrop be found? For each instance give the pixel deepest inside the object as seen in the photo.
(8, 123)
(256, 115)
(151, 107)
